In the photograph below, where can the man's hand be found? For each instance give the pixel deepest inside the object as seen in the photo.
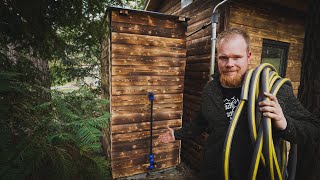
(167, 137)
(272, 109)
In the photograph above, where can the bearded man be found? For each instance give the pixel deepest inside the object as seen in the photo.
(221, 96)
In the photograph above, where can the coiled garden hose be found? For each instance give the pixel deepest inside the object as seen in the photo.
(263, 79)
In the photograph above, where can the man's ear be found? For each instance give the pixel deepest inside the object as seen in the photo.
(249, 56)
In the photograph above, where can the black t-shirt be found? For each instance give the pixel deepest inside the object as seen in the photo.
(241, 147)
(231, 99)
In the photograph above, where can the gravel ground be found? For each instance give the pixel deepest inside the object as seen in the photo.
(180, 172)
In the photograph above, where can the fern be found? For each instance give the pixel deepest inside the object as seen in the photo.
(58, 139)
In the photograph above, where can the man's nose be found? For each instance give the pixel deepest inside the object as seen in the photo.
(230, 63)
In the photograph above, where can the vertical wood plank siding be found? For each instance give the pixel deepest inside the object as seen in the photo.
(147, 54)
(260, 20)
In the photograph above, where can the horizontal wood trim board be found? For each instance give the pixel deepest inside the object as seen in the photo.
(203, 41)
(126, 100)
(139, 50)
(131, 111)
(269, 34)
(264, 21)
(144, 159)
(137, 39)
(205, 58)
(145, 126)
(147, 30)
(137, 144)
(146, 70)
(138, 136)
(143, 18)
(126, 154)
(144, 117)
(147, 80)
(141, 168)
(198, 67)
(146, 108)
(121, 59)
(142, 90)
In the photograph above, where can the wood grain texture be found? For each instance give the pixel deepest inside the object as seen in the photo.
(147, 54)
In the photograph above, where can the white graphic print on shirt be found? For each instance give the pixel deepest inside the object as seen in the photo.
(230, 106)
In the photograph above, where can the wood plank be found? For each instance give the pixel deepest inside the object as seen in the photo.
(143, 90)
(195, 7)
(147, 71)
(141, 168)
(142, 18)
(126, 100)
(138, 136)
(159, 154)
(202, 33)
(147, 30)
(130, 111)
(198, 67)
(144, 117)
(201, 50)
(192, 98)
(137, 144)
(197, 75)
(197, 25)
(203, 41)
(263, 33)
(137, 39)
(132, 162)
(139, 50)
(192, 105)
(135, 152)
(293, 74)
(145, 126)
(120, 59)
(174, 9)
(295, 85)
(137, 159)
(147, 80)
(205, 58)
(167, 4)
(202, 14)
(262, 20)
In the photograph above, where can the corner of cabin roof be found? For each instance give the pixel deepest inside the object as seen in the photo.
(152, 5)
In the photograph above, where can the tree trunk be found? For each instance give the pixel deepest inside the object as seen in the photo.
(308, 166)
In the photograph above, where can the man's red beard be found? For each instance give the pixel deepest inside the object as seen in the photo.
(231, 81)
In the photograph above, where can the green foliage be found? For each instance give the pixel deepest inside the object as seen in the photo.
(59, 139)
(47, 134)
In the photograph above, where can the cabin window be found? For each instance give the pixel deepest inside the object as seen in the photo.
(185, 3)
(275, 53)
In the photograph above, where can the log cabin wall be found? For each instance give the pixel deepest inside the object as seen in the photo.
(261, 20)
(197, 67)
(144, 52)
(266, 21)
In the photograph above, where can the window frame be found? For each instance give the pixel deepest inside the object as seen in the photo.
(284, 60)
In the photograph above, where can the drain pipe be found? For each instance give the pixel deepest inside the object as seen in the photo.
(214, 22)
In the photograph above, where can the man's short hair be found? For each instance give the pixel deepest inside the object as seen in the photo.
(232, 32)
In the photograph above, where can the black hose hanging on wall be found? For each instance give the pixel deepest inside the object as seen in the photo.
(264, 78)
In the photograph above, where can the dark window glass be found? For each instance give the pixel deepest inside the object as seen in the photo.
(275, 53)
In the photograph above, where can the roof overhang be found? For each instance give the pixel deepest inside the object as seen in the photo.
(152, 5)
